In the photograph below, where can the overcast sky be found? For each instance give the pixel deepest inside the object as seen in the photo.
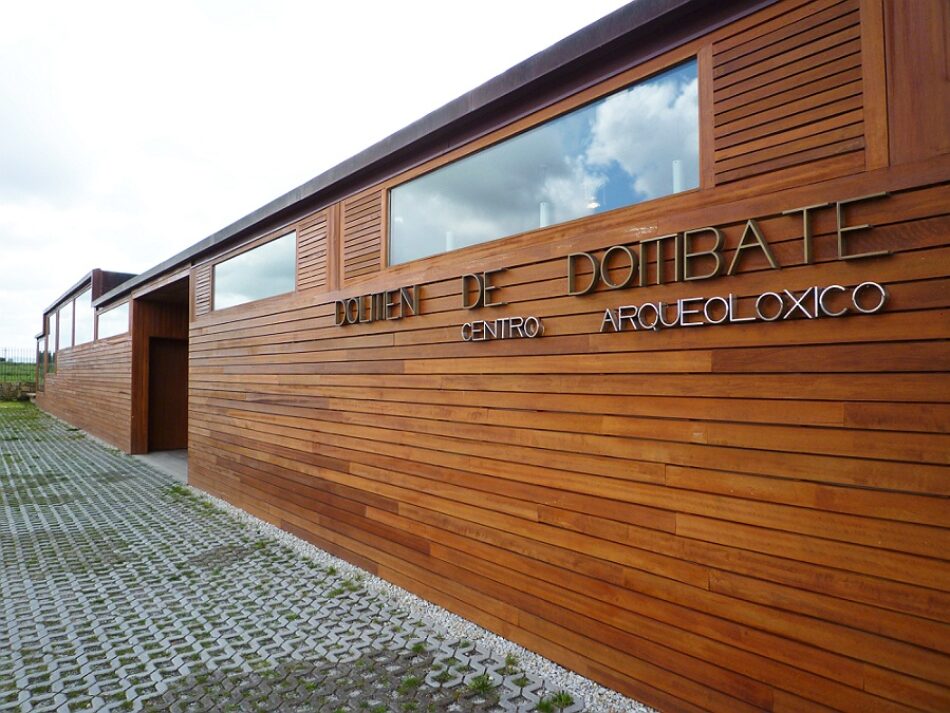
(129, 131)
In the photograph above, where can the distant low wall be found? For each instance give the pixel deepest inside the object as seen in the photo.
(16, 391)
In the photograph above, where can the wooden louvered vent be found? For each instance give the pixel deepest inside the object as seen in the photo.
(202, 277)
(787, 92)
(312, 236)
(362, 234)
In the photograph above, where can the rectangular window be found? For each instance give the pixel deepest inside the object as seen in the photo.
(84, 317)
(114, 321)
(639, 143)
(264, 271)
(66, 326)
(40, 369)
(52, 343)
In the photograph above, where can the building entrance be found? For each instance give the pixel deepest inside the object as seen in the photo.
(167, 394)
(160, 368)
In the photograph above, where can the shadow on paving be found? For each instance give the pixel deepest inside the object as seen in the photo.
(122, 590)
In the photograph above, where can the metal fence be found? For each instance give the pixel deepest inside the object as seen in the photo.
(17, 365)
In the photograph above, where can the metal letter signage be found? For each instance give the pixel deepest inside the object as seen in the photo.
(687, 256)
(388, 304)
(502, 328)
(691, 262)
(811, 303)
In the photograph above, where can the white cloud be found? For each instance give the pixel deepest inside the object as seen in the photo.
(608, 154)
(130, 131)
(644, 129)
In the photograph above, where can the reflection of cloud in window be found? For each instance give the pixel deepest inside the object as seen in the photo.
(575, 192)
(258, 273)
(614, 152)
(645, 129)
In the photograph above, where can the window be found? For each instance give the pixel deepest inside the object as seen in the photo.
(84, 317)
(40, 369)
(114, 321)
(264, 271)
(66, 326)
(51, 341)
(639, 143)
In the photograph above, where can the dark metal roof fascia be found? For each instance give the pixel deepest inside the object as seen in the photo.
(631, 18)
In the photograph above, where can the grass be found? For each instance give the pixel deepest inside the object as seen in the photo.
(409, 684)
(556, 703)
(18, 406)
(12, 372)
(511, 665)
(481, 684)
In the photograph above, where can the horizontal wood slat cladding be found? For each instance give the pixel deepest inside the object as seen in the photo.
(312, 252)
(788, 91)
(99, 373)
(918, 81)
(733, 518)
(738, 517)
(362, 234)
(201, 281)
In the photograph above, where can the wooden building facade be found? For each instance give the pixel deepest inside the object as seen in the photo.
(694, 447)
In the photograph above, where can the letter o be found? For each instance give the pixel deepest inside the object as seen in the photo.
(605, 269)
(758, 304)
(855, 297)
(352, 310)
(725, 314)
(533, 327)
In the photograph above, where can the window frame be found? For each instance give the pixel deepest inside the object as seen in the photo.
(40, 368)
(75, 300)
(70, 303)
(52, 345)
(693, 50)
(270, 237)
(128, 321)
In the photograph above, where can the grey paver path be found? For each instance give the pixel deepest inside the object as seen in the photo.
(121, 590)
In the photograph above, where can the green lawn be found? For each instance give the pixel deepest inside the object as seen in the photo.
(15, 371)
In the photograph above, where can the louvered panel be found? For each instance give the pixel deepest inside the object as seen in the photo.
(312, 235)
(789, 91)
(202, 277)
(362, 234)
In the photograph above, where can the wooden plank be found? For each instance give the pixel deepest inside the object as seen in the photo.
(918, 83)
(791, 22)
(844, 146)
(810, 31)
(846, 97)
(874, 84)
(101, 369)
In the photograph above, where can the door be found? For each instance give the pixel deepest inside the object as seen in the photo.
(167, 394)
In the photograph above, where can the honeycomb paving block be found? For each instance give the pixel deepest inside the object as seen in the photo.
(122, 590)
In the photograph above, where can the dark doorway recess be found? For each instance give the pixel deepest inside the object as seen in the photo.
(160, 368)
(167, 400)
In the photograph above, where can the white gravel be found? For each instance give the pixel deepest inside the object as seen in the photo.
(598, 699)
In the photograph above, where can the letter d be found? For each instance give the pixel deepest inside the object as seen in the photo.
(572, 273)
